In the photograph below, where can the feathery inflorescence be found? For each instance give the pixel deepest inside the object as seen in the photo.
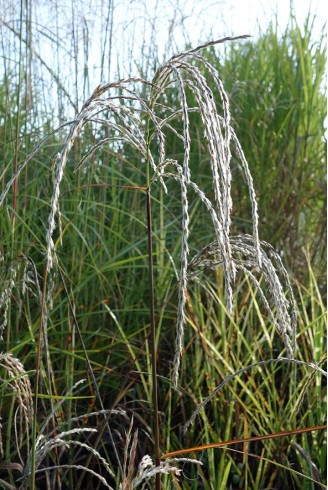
(19, 383)
(143, 122)
(245, 250)
(146, 470)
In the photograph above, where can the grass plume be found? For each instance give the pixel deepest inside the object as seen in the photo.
(118, 162)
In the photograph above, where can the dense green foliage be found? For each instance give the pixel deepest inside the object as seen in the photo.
(277, 103)
(276, 87)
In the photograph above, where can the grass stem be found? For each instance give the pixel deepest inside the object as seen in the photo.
(153, 340)
(37, 379)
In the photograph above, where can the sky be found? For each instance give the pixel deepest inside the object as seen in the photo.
(173, 23)
(245, 14)
(198, 18)
(72, 35)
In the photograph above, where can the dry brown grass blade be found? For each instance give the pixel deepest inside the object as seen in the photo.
(238, 441)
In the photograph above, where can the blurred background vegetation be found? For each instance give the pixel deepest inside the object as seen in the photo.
(276, 84)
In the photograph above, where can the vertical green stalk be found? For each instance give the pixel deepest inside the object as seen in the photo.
(17, 131)
(153, 339)
(152, 308)
(37, 378)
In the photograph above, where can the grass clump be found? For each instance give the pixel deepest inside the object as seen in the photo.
(111, 274)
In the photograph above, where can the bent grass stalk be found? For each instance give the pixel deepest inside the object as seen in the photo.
(143, 126)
